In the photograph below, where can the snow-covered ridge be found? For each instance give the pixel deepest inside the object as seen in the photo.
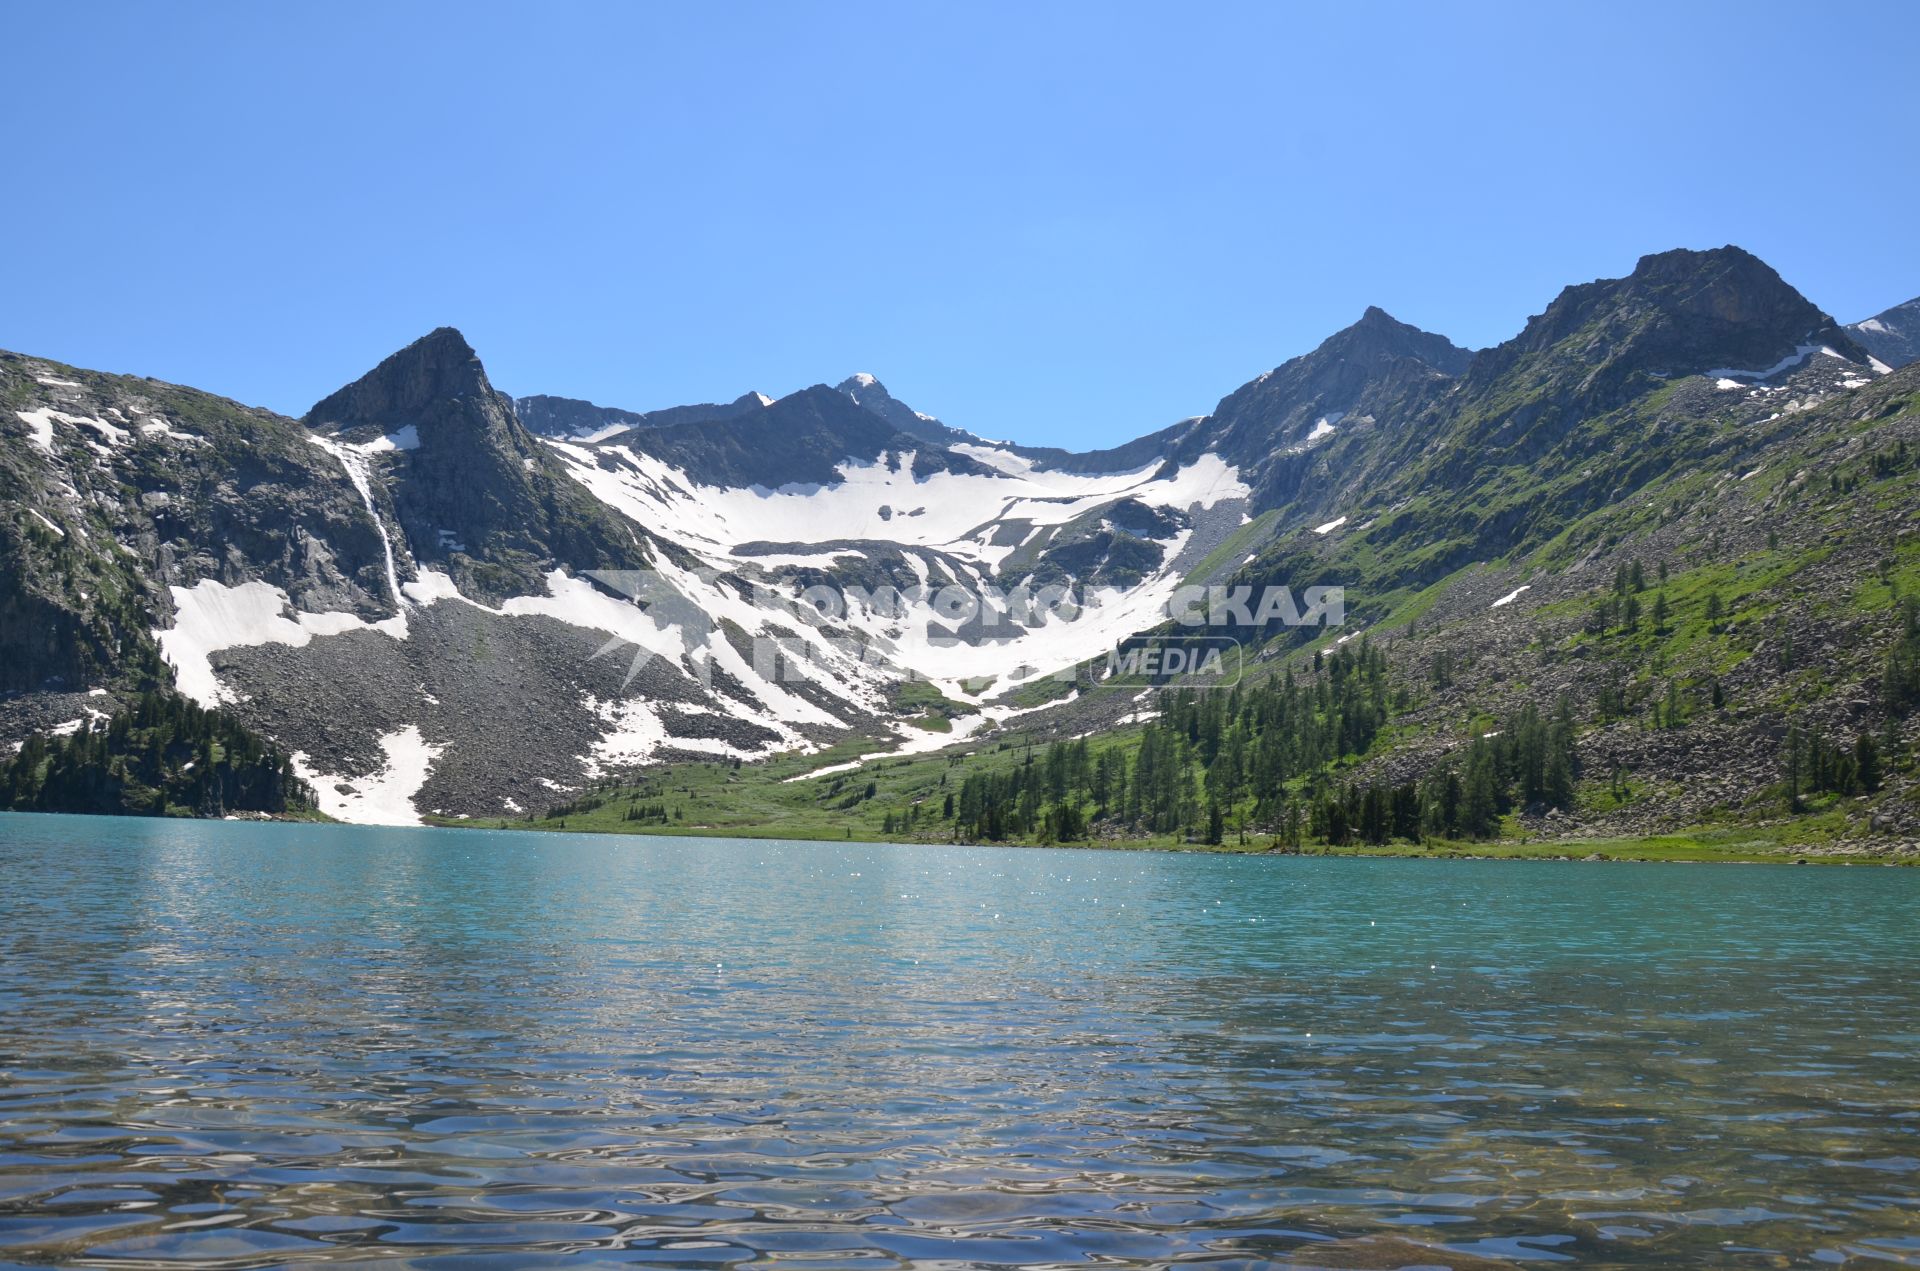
(970, 522)
(955, 513)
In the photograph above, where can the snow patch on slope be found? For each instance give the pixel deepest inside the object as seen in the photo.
(959, 515)
(40, 428)
(881, 500)
(210, 616)
(1511, 596)
(1793, 359)
(1324, 426)
(385, 797)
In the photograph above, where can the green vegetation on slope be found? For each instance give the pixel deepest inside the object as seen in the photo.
(165, 756)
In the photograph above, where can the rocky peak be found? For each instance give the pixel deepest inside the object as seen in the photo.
(1378, 334)
(474, 492)
(873, 395)
(869, 392)
(1379, 368)
(1678, 313)
(417, 382)
(803, 437)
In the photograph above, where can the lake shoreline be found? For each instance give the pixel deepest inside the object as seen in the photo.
(1705, 847)
(1710, 847)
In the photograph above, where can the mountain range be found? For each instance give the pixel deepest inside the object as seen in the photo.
(445, 602)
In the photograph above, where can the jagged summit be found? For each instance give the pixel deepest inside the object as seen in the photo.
(870, 393)
(1375, 368)
(1679, 312)
(802, 437)
(473, 491)
(1380, 334)
(437, 368)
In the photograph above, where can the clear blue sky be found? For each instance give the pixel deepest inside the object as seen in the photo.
(1066, 223)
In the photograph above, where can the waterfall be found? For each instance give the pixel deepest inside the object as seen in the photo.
(354, 460)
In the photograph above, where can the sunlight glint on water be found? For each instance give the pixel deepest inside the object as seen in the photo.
(258, 1045)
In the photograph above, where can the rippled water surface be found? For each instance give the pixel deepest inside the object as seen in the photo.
(258, 1045)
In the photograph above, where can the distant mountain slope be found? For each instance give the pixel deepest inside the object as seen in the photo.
(1334, 416)
(1892, 336)
(571, 419)
(1127, 457)
(802, 438)
(1615, 384)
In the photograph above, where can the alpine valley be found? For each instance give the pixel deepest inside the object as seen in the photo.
(1648, 568)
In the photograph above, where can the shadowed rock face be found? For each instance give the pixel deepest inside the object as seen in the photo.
(1603, 346)
(1893, 336)
(436, 378)
(872, 394)
(1377, 366)
(474, 492)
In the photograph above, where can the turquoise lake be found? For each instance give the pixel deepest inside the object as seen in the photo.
(272, 1045)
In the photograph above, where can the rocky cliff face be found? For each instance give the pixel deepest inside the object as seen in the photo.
(474, 493)
(118, 495)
